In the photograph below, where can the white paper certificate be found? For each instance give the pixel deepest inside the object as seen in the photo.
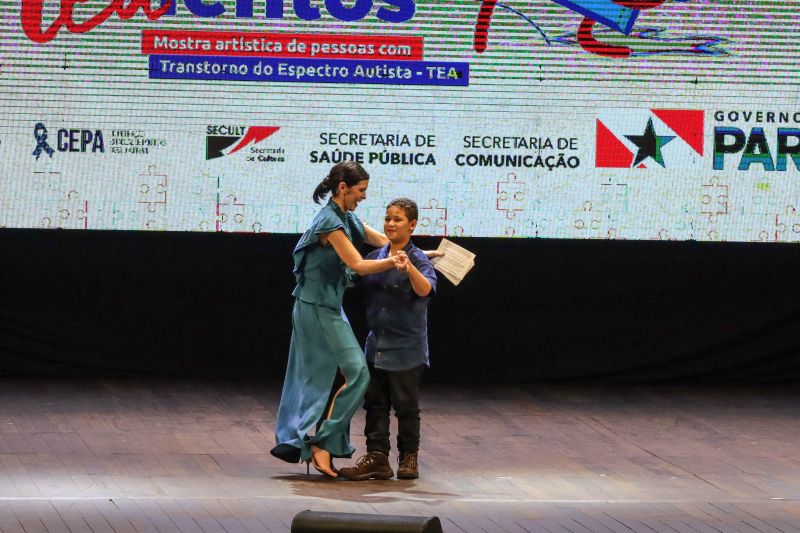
(456, 262)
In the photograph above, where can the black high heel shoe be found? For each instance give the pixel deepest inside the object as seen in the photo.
(308, 469)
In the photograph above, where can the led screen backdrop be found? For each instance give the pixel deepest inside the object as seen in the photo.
(617, 119)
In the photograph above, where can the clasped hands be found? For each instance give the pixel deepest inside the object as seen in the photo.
(400, 260)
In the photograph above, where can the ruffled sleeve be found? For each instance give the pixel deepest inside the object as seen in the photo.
(326, 221)
(358, 234)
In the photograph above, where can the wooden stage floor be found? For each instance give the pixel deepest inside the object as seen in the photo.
(192, 456)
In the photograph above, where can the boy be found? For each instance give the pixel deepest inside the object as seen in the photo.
(396, 348)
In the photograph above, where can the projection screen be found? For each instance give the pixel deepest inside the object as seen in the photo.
(595, 119)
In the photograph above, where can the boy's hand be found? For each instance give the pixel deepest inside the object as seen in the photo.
(433, 253)
(402, 261)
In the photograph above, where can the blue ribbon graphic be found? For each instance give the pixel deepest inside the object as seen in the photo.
(40, 132)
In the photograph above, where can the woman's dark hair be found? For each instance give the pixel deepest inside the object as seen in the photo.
(348, 172)
(408, 206)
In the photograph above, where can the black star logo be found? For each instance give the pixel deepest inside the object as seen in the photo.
(649, 144)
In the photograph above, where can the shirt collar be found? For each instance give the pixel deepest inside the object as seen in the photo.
(385, 250)
(336, 209)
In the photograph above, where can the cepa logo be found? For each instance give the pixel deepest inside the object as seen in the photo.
(68, 140)
(223, 140)
(644, 138)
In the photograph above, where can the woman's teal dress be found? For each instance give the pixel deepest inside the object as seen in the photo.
(322, 342)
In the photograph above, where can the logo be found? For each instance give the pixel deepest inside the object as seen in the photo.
(615, 18)
(224, 140)
(32, 13)
(68, 140)
(134, 141)
(646, 138)
(764, 140)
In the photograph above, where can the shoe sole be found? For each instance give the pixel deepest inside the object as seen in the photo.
(365, 477)
(407, 476)
(326, 474)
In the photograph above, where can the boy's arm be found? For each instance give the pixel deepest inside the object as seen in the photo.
(420, 283)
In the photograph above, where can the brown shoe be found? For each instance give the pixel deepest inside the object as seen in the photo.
(374, 465)
(407, 466)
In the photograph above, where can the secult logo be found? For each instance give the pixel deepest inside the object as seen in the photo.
(224, 140)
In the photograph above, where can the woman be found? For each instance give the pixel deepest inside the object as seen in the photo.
(322, 342)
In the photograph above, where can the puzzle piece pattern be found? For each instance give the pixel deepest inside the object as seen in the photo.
(152, 199)
(714, 199)
(461, 199)
(432, 220)
(787, 225)
(67, 208)
(70, 212)
(231, 215)
(594, 223)
(511, 194)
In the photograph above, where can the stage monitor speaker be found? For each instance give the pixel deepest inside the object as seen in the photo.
(323, 522)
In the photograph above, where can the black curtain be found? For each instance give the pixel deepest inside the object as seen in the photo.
(102, 303)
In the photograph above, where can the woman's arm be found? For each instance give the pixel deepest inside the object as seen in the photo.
(350, 256)
(374, 237)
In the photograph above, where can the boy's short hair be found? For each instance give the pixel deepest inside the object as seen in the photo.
(408, 206)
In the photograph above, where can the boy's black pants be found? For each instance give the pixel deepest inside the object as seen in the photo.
(398, 389)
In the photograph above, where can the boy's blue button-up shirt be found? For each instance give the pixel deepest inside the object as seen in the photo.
(397, 317)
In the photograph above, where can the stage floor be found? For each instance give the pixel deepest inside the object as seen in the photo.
(169, 456)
